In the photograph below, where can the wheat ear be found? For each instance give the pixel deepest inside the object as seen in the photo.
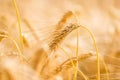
(60, 35)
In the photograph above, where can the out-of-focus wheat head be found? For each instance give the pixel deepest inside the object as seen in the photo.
(54, 45)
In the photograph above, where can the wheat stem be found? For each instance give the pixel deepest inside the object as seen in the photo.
(97, 55)
(17, 46)
(73, 64)
(19, 26)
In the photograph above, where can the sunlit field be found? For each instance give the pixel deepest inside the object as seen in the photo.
(59, 39)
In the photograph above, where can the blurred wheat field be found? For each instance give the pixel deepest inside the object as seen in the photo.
(59, 40)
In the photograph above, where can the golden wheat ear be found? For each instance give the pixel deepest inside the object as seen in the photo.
(60, 35)
(64, 19)
(58, 31)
